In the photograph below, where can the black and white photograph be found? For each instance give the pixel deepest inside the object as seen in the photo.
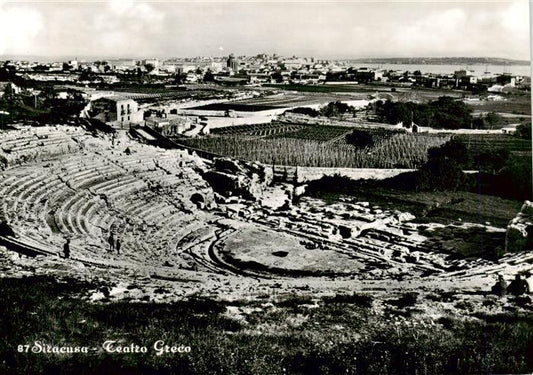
(266, 187)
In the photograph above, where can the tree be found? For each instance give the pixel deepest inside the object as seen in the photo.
(360, 139)
(48, 93)
(492, 119)
(478, 123)
(61, 109)
(9, 93)
(335, 109)
(41, 68)
(178, 78)
(516, 177)
(446, 113)
(524, 131)
(334, 76)
(305, 111)
(444, 168)
(492, 160)
(86, 75)
(277, 76)
(394, 113)
(208, 76)
(149, 68)
(453, 151)
(422, 114)
(451, 113)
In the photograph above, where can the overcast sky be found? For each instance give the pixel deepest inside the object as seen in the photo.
(347, 29)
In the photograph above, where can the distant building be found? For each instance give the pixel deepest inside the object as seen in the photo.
(463, 73)
(366, 75)
(116, 110)
(14, 88)
(216, 67)
(506, 79)
(153, 62)
(293, 63)
(157, 122)
(232, 62)
(122, 64)
(74, 64)
(191, 78)
(464, 79)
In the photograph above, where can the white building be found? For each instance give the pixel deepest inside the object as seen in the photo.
(116, 111)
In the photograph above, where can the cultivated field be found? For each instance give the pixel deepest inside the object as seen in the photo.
(485, 142)
(363, 91)
(514, 104)
(257, 129)
(283, 100)
(317, 133)
(323, 146)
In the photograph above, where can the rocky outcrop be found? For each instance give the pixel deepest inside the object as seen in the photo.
(230, 177)
(519, 235)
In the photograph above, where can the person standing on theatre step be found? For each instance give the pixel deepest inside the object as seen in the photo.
(66, 249)
(117, 245)
(111, 241)
(500, 288)
(518, 286)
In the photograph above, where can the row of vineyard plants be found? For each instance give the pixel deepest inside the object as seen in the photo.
(483, 142)
(257, 129)
(316, 133)
(401, 151)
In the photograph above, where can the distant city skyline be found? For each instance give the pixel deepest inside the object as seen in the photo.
(459, 60)
(338, 30)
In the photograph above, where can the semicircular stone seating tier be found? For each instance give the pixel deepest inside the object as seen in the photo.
(85, 193)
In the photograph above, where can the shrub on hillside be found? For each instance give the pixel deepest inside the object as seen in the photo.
(305, 111)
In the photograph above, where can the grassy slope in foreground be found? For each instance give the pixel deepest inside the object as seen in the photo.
(341, 335)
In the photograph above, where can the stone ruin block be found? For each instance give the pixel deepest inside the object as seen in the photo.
(519, 236)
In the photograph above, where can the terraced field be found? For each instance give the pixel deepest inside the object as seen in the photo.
(285, 100)
(302, 149)
(317, 133)
(257, 130)
(484, 142)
